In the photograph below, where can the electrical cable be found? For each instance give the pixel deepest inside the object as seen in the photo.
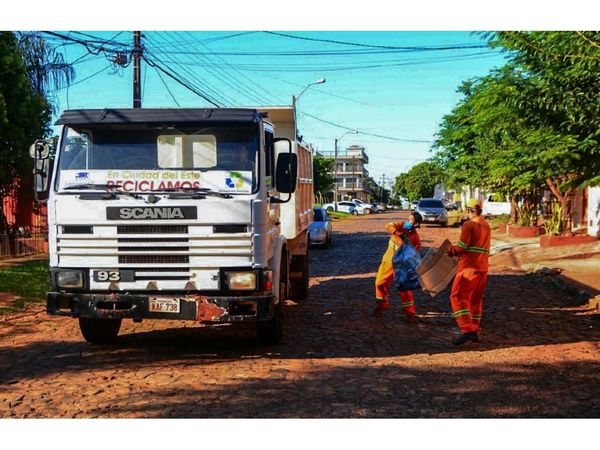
(269, 99)
(167, 87)
(391, 138)
(200, 83)
(82, 80)
(355, 44)
(178, 79)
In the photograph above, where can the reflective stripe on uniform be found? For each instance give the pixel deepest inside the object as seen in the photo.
(468, 248)
(394, 246)
(476, 316)
(405, 305)
(378, 299)
(461, 312)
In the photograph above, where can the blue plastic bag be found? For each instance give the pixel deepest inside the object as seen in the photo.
(405, 261)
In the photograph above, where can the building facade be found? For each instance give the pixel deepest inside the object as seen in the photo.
(351, 173)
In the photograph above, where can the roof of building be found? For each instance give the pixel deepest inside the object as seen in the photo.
(159, 115)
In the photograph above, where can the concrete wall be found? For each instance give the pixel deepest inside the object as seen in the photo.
(593, 211)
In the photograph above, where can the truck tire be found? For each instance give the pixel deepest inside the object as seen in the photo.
(270, 331)
(100, 331)
(299, 286)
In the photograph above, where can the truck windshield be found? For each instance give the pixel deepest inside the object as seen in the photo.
(154, 158)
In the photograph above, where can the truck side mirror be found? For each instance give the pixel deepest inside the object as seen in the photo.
(40, 149)
(40, 152)
(286, 173)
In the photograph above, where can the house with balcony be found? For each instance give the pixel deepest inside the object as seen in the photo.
(350, 173)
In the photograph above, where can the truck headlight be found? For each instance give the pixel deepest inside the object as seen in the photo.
(69, 279)
(241, 281)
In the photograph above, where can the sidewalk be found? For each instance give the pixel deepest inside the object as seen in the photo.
(578, 265)
(9, 262)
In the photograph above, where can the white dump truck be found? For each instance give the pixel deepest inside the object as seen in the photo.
(179, 214)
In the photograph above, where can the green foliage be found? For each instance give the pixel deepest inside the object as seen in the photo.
(502, 218)
(531, 123)
(24, 116)
(419, 181)
(323, 181)
(527, 217)
(553, 224)
(29, 281)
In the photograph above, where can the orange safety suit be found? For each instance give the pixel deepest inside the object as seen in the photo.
(385, 273)
(466, 297)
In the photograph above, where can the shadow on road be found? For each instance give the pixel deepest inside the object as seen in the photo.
(335, 322)
(392, 391)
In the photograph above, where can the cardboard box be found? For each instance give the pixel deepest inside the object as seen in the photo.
(437, 269)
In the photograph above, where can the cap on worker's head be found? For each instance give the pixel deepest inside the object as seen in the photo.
(474, 202)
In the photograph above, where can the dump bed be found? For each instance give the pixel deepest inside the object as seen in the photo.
(297, 214)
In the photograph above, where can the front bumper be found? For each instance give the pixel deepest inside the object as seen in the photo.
(201, 308)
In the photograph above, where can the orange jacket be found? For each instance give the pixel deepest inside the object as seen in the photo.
(474, 245)
(395, 242)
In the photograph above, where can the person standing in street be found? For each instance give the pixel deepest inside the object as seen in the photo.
(385, 274)
(466, 297)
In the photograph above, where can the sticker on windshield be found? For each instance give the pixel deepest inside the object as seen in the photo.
(158, 180)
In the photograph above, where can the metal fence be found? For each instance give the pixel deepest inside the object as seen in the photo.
(28, 226)
(12, 246)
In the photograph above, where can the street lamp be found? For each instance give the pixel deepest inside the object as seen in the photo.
(296, 97)
(335, 167)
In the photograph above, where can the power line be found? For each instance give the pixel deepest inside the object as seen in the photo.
(193, 79)
(240, 73)
(232, 81)
(364, 132)
(83, 79)
(173, 75)
(167, 87)
(388, 47)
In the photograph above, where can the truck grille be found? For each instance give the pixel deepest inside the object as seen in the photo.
(152, 229)
(153, 259)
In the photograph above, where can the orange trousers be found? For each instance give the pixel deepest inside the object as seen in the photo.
(383, 282)
(466, 299)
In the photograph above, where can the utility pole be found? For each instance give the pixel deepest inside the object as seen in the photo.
(137, 70)
(335, 172)
(382, 187)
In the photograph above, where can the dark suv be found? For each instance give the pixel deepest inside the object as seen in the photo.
(433, 211)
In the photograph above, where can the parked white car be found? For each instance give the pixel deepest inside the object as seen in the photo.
(493, 208)
(345, 206)
(368, 208)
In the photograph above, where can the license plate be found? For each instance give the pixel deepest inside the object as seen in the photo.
(430, 219)
(164, 305)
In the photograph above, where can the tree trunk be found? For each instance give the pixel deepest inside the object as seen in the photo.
(566, 201)
(514, 209)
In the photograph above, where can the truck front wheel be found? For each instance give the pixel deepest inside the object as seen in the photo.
(270, 331)
(100, 331)
(299, 277)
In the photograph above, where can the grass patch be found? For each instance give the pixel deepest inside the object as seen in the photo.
(338, 215)
(28, 280)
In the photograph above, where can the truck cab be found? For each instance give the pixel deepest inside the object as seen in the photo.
(178, 214)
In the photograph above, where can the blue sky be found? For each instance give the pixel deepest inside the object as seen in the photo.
(405, 99)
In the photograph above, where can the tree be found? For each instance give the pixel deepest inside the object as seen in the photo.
(531, 123)
(323, 181)
(419, 181)
(561, 107)
(46, 69)
(24, 115)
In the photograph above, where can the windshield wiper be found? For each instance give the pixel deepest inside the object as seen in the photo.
(112, 189)
(201, 191)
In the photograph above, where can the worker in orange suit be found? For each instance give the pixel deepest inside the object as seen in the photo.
(385, 274)
(466, 297)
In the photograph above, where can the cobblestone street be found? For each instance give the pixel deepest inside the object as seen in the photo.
(539, 355)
